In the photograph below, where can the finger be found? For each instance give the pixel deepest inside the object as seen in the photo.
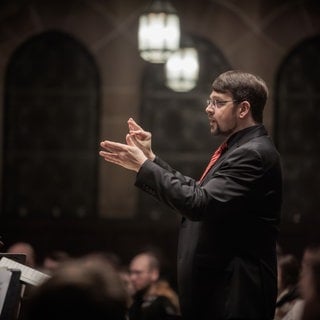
(133, 125)
(110, 157)
(135, 141)
(105, 154)
(129, 140)
(143, 135)
(136, 132)
(105, 147)
(112, 160)
(110, 145)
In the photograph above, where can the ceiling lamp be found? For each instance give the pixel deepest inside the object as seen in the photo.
(159, 32)
(182, 69)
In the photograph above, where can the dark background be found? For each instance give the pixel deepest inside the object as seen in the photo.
(71, 76)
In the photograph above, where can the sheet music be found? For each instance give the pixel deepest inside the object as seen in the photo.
(28, 275)
(5, 277)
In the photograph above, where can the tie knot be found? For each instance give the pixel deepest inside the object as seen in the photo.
(220, 149)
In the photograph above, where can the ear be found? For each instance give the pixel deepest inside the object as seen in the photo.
(244, 109)
(155, 275)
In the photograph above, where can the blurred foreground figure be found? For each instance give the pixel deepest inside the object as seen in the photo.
(80, 289)
(310, 283)
(288, 291)
(25, 248)
(153, 299)
(53, 259)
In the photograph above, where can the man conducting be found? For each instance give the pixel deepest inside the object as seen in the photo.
(230, 217)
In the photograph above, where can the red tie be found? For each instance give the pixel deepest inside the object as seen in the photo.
(214, 158)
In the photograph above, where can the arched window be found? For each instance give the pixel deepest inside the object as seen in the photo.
(298, 130)
(178, 122)
(50, 129)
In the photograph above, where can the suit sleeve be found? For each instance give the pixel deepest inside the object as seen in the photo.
(231, 183)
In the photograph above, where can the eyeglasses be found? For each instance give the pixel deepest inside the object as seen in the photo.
(218, 103)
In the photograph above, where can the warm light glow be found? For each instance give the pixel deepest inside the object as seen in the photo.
(182, 70)
(158, 36)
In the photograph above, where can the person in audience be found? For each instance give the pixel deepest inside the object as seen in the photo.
(308, 307)
(162, 288)
(53, 259)
(111, 257)
(149, 302)
(24, 248)
(288, 278)
(310, 283)
(125, 277)
(79, 289)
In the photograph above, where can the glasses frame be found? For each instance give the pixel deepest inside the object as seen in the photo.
(218, 103)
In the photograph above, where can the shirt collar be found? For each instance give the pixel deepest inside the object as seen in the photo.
(239, 134)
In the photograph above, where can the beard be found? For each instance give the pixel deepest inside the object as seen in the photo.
(217, 130)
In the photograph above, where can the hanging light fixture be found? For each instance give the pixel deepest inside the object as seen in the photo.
(159, 32)
(182, 68)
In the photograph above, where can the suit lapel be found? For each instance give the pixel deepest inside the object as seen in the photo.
(237, 142)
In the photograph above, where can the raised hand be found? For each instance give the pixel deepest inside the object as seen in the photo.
(141, 138)
(127, 155)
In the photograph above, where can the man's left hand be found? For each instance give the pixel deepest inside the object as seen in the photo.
(127, 155)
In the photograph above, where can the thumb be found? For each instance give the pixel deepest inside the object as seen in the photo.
(129, 140)
(133, 125)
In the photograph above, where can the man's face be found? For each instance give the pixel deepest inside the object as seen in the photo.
(141, 275)
(222, 114)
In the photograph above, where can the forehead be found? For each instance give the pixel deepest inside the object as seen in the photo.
(220, 95)
(140, 263)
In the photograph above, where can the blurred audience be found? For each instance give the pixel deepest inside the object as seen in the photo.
(82, 289)
(152, 300)
(163, 288)
(310, 283)
(125, 277)
(308, 307)
(288, 279)
(53, 259)
(24, 248)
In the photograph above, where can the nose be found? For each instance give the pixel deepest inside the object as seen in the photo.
(132, 278)
(210, 109)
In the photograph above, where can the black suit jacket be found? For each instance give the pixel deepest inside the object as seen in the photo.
(227, 242)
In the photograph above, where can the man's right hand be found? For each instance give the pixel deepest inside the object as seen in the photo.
(141, 138)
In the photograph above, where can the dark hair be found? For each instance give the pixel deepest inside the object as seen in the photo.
(244, 87)
(290, 270)
(79, 289)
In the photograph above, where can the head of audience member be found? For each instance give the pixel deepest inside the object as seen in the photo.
(144, 271)
(79, 289)
(53, 259)
(288, 272)
(310, 283)
(24, 248)
(111, 257)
